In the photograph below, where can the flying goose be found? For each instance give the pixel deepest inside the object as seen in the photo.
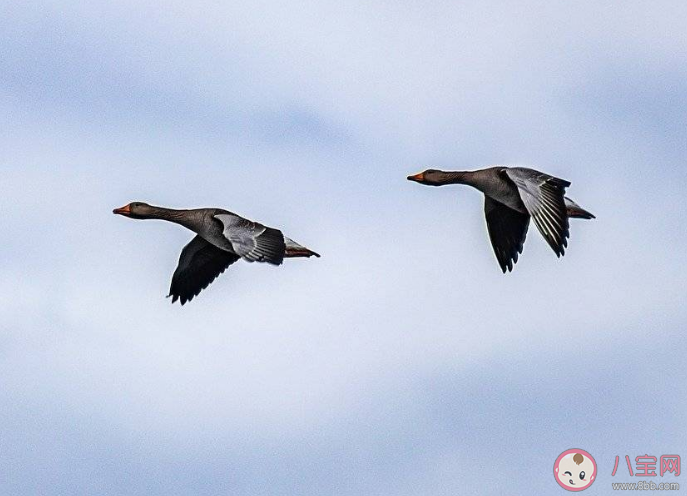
(222, 238)
(513, 195)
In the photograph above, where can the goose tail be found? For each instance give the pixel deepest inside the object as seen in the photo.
(575, 211)
(294, 250)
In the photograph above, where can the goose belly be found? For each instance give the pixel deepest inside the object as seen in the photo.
(212, 231)
(507, 195)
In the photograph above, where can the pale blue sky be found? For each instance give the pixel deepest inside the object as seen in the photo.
(400, 363)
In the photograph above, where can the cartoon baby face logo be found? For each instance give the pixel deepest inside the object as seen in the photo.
(574, 470)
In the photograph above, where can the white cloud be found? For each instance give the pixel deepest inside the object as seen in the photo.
(309, 118)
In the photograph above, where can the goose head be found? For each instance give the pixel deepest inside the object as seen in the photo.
(430, 177)
(135, 210)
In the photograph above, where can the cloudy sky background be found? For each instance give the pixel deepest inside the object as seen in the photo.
(400, 363)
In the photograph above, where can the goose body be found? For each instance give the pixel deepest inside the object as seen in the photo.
(222, 238)
(513, 196)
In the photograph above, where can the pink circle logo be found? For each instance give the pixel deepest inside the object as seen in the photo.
(575, 470)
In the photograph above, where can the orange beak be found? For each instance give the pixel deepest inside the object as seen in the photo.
(125, 210)
(417, 177)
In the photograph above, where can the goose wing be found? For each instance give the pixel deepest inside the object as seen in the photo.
(543, 196)
(199, 264)
(507, 231)
(252, 241)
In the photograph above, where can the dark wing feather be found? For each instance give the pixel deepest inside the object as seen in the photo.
(199, 264)
(252, 241)
(543, 196)
(507, 231)
(269, 247)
